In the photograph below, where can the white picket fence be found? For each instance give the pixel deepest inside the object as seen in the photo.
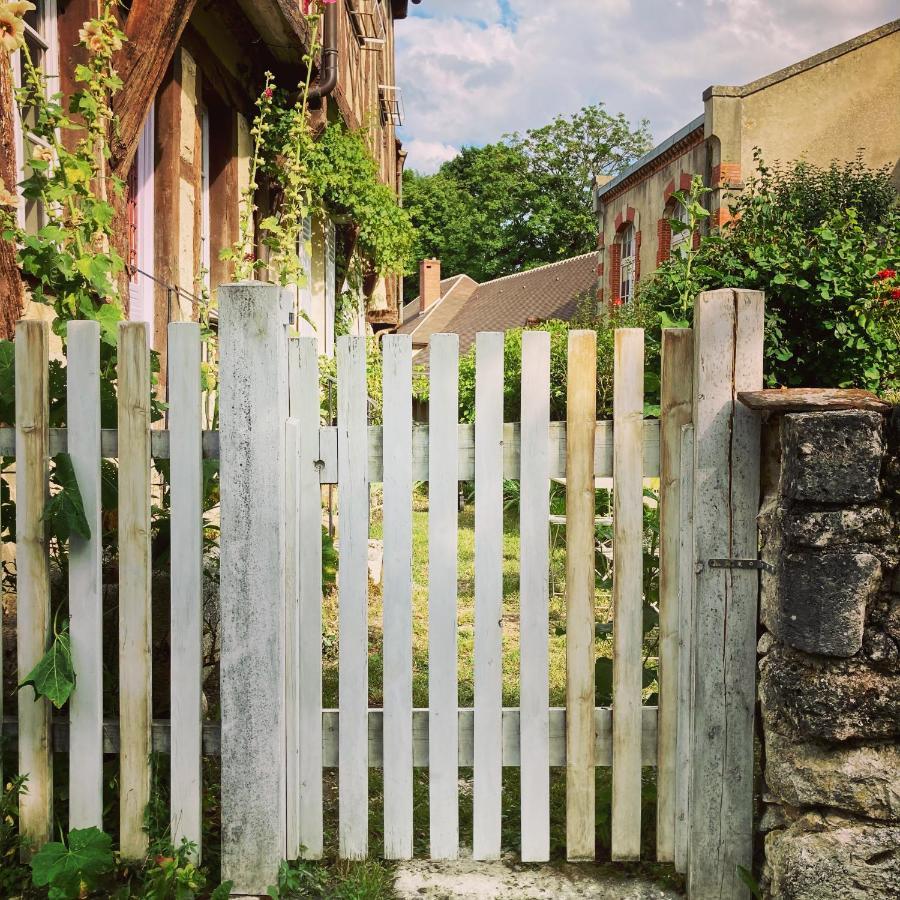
(276, 739)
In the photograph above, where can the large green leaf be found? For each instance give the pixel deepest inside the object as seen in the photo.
(54, 676)
(64, 514)
(69, 871)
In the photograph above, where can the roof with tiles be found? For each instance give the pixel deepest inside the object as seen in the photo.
(548, 292)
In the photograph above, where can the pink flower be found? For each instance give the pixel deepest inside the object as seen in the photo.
(267, 93)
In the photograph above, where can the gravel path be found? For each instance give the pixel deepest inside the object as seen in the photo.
(469, 880)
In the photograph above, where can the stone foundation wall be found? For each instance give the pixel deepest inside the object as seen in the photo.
(829, 686)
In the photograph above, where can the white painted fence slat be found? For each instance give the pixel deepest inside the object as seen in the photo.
(253, 377)
(728, 354)
(85, 586)
(675, 412)
(32, 574)
(310, 614)
(685, 658)
(442, 591)
(581, 417)
(353, 538)
(534, 589)
(186, 492)
(628, 548)
(135, 651)
(488, 770)
(397, 592)
(292, 602)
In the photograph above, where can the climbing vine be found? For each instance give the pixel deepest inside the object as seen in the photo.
(334, 174)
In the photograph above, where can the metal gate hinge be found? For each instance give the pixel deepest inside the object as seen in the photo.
(741, 564)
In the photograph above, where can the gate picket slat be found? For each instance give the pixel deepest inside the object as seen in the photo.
(397, 511)
(292, 602)
(628, 547)
(310, 616)
(581, 412)
(85, 584)
(33, 574)
(488, 768)
(675, 412)
(186, 488)
(442, 596)
(728, 354)
(534, 517)
(685, 660)
(353, 536)
(134, 586)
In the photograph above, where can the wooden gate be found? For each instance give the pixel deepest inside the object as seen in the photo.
(276, 740)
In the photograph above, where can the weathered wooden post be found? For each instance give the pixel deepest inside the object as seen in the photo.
(253, 337)
(728, 358)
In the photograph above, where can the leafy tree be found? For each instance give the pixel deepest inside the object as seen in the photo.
(814, 240)
(523, 201)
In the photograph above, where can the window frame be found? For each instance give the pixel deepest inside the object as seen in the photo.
(627, 238)
(681, 238)
(48, 39)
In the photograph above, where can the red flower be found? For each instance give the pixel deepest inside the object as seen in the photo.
(895, 294)
(616, 301)
(267, 93)
(886, 273)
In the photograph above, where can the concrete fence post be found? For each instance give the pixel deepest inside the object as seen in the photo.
(253, 340)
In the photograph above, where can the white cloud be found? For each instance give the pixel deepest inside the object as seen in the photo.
(429, 155)
(472, 70)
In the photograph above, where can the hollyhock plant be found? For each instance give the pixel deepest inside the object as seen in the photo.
(12, 28)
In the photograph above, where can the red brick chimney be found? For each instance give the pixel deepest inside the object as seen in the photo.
(429, 282)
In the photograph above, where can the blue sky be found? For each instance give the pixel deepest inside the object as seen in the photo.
(472, 70)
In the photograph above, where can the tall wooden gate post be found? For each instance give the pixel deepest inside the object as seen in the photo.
(728, 357)
(253, 336)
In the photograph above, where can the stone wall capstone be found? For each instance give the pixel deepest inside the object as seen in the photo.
(829, 651)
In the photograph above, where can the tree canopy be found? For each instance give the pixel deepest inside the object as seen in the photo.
(523, 201)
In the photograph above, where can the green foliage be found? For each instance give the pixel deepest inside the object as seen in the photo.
(750, 882)
(343, 881)
(64, 513)
(344, 180)
(70, 263)
(174, 876)
(814, 241)
(54, 675)
(73, 869)
(632, 315)
(523, 201)
(14, 876)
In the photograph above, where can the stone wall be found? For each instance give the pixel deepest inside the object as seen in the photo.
(829, 666)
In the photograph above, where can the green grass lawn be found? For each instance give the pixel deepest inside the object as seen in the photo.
(371, 873)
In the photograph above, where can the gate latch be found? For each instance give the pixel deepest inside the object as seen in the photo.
(741, 564)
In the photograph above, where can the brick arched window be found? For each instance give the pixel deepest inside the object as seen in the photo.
(627, 241)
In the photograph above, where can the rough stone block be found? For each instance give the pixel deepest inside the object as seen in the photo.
(830, 527)
(864, 780)
(822, 597)
(828, 699)
(833, 858)
(832, 457)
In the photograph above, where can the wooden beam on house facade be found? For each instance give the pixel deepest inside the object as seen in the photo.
(153, 29)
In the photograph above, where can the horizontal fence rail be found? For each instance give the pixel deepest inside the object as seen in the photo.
(509, 745)
(327, 465)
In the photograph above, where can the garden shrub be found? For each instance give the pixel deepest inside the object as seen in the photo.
(814, 240)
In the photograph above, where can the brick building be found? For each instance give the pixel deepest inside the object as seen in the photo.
(833, 106)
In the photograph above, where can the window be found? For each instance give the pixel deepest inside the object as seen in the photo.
(41, 40)
(140, 217)
(627, 263)
(680, 239)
